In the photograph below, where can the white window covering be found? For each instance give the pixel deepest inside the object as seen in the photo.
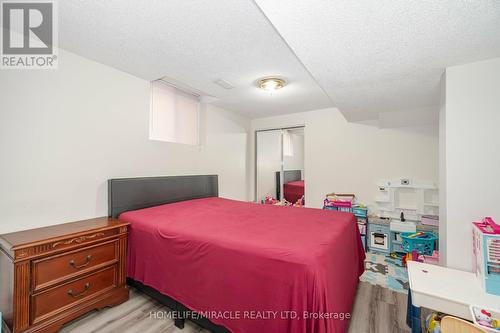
(174, 114)
(287, 143)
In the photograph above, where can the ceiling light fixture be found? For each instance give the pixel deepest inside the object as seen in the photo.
(271, 83)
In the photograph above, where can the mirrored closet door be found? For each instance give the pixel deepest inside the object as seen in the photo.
(293, 165)
(280, 172)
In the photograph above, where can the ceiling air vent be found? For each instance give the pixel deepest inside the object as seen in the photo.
(224, 84)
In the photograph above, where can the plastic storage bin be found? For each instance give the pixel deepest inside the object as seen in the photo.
(360, 212)
(423, 245)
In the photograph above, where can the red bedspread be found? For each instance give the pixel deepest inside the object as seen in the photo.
(293, 191)
(256, 261)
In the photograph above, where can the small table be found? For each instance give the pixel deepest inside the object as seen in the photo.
(445, 290)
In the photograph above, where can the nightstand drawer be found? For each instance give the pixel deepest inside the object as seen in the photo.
(58, 299)
(55, 269)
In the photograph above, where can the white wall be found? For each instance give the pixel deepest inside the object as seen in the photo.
(64, 132)
(443, 231)
(472, 152)
(350, 157)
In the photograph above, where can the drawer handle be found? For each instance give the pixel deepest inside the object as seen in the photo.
(74, 265)
(77, 240)
(75, 295)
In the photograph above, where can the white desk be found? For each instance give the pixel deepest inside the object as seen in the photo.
(447, 290)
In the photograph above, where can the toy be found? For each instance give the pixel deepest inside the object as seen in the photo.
(410, 256)
(432, 259)
(395, 255)
(299, 202)
(486, 254)
(484, 318)
(269, 200)
(339, 200)
(433, 322)
(487, 225)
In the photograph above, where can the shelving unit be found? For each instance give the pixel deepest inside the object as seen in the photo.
(408, 197)
(361, 214)
(413, 199)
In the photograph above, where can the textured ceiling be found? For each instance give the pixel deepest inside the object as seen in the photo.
(378, 57)
(375, 59)
(194, 43)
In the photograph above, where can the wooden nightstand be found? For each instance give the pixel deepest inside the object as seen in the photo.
(51, 275)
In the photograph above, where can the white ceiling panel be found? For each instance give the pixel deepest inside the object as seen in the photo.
(377, 57)
(196, 43)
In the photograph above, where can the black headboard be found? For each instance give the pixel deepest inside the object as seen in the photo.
(135, 193)
(288, 176)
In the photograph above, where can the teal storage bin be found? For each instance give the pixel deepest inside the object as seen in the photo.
(360, 212)
(423, 245)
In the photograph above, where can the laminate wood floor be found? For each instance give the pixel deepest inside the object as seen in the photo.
(376, 310)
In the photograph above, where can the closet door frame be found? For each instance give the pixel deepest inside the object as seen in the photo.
(256, 172)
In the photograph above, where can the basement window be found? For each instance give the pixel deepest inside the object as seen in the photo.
(174, 114)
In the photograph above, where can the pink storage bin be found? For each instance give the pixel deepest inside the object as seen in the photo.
(430, 220)
(433, 260)
(345, 204)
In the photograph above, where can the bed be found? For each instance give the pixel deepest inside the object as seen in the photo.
(247, 267)
(293, 185)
